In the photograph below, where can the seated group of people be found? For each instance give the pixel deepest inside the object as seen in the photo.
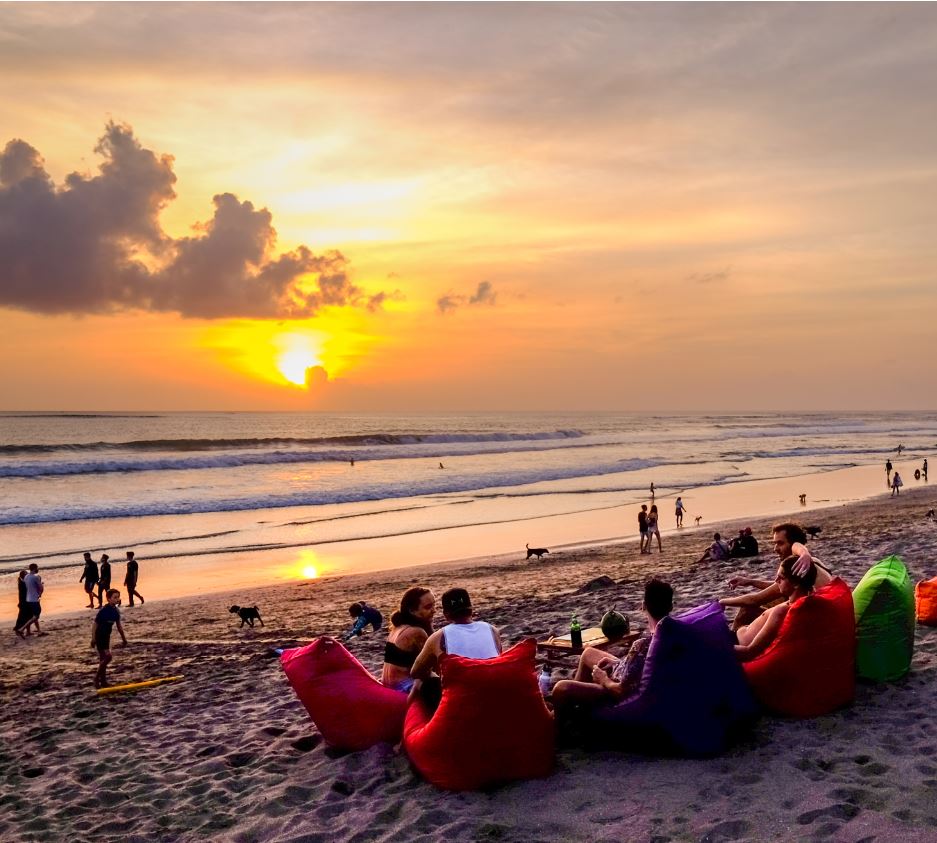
(413, 649)
(745, 545)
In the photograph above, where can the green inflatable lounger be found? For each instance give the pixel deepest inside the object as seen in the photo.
(884, 602)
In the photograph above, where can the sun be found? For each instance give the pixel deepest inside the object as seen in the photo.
(293, 365)
(310, 572)
(299, 354)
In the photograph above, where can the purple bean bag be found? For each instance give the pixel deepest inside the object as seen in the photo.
(693, 695)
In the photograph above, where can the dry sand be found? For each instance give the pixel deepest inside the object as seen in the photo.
(230, 754)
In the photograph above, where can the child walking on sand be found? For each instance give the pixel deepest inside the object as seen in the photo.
(101, 629)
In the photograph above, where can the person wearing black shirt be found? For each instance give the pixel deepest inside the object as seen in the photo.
(104, 622)
(130, 580)
(104, 583)
(90, 577)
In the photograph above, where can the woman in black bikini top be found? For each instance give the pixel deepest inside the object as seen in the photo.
(410, 627)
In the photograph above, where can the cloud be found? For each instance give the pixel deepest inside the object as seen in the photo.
(709, 277)
(316, 378)
(95, 245)
(484, 294)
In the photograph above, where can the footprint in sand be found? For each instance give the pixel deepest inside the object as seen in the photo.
(306, 743)
(729, 830)
(840, 811)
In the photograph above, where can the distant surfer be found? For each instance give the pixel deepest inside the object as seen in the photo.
(652, 491)
(441, 465)
(900, 449)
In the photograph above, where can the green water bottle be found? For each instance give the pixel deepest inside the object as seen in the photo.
(575, 634)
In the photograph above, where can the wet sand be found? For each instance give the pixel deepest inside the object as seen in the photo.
(230, 754)
(224, 551)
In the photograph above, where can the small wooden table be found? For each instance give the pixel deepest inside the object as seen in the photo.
(554, 650)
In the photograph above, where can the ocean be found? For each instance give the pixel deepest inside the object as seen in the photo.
(187, 485)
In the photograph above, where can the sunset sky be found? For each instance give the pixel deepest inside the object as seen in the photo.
(418, 207)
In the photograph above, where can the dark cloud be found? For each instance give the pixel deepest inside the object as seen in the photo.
(316, 377)
(95, 245)
(710, 277)
(484, 294)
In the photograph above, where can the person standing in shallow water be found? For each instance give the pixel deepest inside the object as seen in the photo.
(130, 579)
(888, 471)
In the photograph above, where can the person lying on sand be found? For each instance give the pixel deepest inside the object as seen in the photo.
(602, 679)
(409, 629)
(789, 540)
(462, 636)
(755, 638)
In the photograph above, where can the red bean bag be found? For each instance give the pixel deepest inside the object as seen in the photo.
(925, 599)
(491, 726)
(349, 706)
(810, 668)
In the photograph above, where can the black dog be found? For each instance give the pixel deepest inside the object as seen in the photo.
(931, 514)
(536, 551)
(247, 615)
(813, 532)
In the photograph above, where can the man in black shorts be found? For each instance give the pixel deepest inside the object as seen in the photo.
(130, 579)
(104, 621)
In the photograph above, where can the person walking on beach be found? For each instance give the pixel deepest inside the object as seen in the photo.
(653, 529)
(104, 578)
(924, 469)
(24, 615)
(652, 491)
(642, 527)
(101, 630)
(896, 484)
(680, 509)
(34, 589)
(130, 578)
(888, 471)
(90, 577)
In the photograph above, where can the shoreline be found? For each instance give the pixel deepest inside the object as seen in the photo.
(233, 751)
(303, 555)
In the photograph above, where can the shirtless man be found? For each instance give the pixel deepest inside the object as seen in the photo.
(789, 540)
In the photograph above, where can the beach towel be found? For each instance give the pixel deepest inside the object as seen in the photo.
(810, 667)
(349, 706)
(693, 697)
(925, 596)
(491, 726)
(884, 604)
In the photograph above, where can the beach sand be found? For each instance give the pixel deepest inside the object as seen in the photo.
(230, 754)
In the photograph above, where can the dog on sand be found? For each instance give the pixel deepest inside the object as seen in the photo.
(247, 614)
(698, 519)
(536, 551)
(813, 532)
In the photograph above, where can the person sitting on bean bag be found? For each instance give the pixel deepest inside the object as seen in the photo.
(462, 636)
(410, 626)
(755, 638)
(600, 678)
(789, 539)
